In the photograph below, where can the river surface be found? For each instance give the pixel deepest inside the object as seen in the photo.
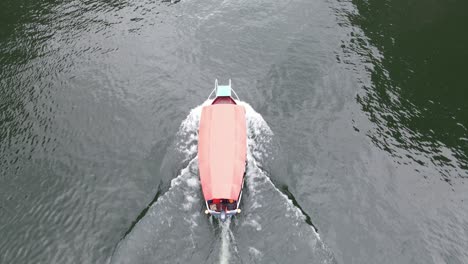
(357, 130)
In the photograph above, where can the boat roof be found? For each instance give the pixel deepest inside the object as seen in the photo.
(222, 150)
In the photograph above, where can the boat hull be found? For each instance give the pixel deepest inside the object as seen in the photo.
(222, 151)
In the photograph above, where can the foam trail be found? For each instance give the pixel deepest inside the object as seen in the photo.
(174, 227)
(259, 138)
(175, 230)
(225, 254)
(270, 215)
(187, 136)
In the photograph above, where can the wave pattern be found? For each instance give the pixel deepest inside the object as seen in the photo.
(176, 230)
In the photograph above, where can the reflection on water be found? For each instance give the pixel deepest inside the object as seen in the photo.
(416, 97)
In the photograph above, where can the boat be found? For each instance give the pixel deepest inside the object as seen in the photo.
(222, 152)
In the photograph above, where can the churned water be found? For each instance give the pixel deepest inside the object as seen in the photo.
(175, 229)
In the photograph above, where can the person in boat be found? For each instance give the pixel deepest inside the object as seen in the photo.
(216, 205)
(213, 207)
(231, 205)
(222, 204)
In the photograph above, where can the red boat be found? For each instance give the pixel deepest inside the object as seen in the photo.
(222, 152)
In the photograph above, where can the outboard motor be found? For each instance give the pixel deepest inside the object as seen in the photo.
(223, 216)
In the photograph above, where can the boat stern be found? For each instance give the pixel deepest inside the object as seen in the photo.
(222, 209)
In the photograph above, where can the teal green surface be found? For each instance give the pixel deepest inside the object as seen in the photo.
(223, 90)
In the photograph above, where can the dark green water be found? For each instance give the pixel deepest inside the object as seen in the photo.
(419, 85)
(359, 118)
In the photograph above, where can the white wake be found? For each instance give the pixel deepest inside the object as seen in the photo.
(175, 229)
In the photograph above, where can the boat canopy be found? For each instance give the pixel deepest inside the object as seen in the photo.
(222, 150)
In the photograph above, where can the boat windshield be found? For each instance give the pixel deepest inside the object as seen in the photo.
(219, 205)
